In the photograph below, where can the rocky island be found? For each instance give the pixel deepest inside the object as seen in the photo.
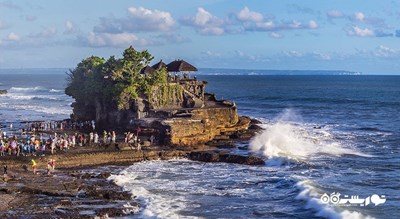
(127, 93)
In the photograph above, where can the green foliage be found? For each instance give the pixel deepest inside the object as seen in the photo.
(164, 94)
(116, 80)
(84, 80)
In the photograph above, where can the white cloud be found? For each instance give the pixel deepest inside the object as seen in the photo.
(211, 54)
(246, 15)
(69, 27)
(359, 16)
(114, 40)
(202, 17)
(312, 24)
(205, 23)
(153, 19)
(244, 55)
(275, 35)
(212, 30)
(322, 56)
(45, 33)
(267, 25)
(295, 24)
(294, 53)
(386, 52)
(137, 20)
(335, 14)
(360, 32)
(12, 37)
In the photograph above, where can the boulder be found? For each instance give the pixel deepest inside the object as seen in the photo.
(213, 156)
(3, 92)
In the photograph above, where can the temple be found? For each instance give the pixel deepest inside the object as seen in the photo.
(177, 111)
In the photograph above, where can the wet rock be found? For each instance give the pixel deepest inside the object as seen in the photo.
(3, 92)
(212, 156)
(124, 147)
(222, 143)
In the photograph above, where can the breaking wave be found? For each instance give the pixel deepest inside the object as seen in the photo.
(26, 89)
(55, 91)
(286, 138)
(311, 195)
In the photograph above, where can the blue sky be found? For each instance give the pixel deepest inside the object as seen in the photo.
(357, 35)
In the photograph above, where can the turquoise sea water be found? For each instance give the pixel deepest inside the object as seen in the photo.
(323, 134)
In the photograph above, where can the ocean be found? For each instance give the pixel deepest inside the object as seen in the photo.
(329, 134)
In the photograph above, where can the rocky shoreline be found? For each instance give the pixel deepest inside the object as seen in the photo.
(79, 188)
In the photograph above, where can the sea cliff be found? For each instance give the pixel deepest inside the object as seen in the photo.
(127, 94)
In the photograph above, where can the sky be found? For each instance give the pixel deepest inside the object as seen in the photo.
(357, 35)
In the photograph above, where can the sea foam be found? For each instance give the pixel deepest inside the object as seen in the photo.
(27, 89)
(288, 138)
(311, 195)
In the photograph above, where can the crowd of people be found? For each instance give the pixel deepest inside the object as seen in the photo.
(34, 139)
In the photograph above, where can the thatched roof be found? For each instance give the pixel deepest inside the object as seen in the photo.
(147, 70)
(180, 66)
(159, 65)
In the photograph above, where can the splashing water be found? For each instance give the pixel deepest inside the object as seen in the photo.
(288, 139)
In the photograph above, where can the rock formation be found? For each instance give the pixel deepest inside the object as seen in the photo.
(2, 92)
(126, 93)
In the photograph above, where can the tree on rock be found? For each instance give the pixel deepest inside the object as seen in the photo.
(98, 85)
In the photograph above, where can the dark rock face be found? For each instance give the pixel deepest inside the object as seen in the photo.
(77, 194)
(210, 156)
(3, 92)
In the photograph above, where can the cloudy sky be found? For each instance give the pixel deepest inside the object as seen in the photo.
(357, 35)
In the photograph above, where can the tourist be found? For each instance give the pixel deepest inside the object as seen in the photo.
(135, 138)
(152, 138)
(5, 171)
(48, 167)
(80, 140)
(105, 137)
(53, 145)
(73, 140)
(90, 137)
(2, 147)
(109, 138)
(43, 149)
(32, 148)
(53, 164)
(126, 136)
(139, 146)
(113, 137)
(13, 146)
(34, 166)
(96, 138)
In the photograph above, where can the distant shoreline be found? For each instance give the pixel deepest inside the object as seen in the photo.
(216, 71)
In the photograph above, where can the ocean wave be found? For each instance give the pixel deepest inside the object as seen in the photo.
(35, 97)
(49, 110)
(55, 91)
(27, 89)
(311, 195)
(153, 205)
(296, 141)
